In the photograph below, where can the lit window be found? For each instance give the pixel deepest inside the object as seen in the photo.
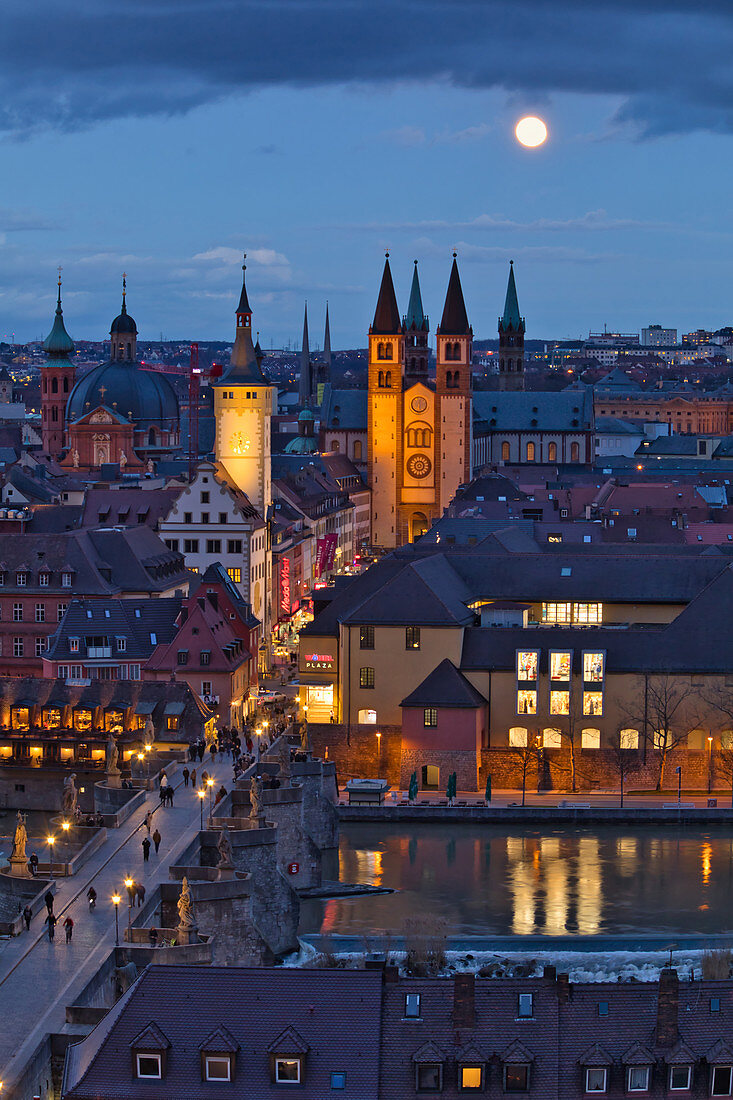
(721, 1081)
(593, 702)
(472, 1078)
(556, 612)
(560, 664)
(629, 739)
(366, 637)
(366, 677)
(595, 1080)
(172, 722)
(679, 1078)
(149, 1066)
(551, 739)
(559, 702)
(588, 613)
(287, 1071)
(235, 574)
(73, 645)
(217, 1068)
(527, 662)
(412, 1006)
(637, 1079)
(518, 737)
(593, 667)
(430, 717)
(526, 701)
(590, 739)
(412, 637)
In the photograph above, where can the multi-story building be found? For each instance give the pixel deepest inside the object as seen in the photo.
(655, 336)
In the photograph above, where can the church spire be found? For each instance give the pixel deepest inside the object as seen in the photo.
(244, 309)
(386, 316)
(244, 365)
(454, 321)
(415, 315)
(305, 386)
(327, 349)
(58, 344)
(512, 317)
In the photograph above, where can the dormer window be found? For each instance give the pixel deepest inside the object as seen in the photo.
(66, 580)
(149, 1066)
(288, 1071)
(287, 1058)
(44, 579)
(21, 579)
(218, 1055)
(149, 1051)
(217, 1067)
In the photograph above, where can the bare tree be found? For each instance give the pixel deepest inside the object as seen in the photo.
(624, 761)
(666, 709)
(526, 755)
(569, 726)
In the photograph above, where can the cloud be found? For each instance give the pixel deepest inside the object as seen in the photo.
(536, 254)
(593, 221)
(666, 59)
(264, 257)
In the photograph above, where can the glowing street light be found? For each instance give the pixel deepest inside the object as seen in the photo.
(210, 784)
(51, 841)
(116, 899)
(66, 825)
(202, 795)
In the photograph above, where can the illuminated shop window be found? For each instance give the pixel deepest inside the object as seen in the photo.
(588, 613)
(526, 701)
(590, 739)
(593, 667)
(629, 739)
(559, 702)
(560, 664)
(593, 702)
(551, 739)
(518, 737)
(527, 662)
(556, 613)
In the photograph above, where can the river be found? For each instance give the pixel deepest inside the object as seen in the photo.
(485, 880)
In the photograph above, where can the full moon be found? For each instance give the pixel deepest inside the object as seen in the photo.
(531, 131)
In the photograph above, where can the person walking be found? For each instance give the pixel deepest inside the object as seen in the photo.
(169, 794)
(156, 840)
(193, 779)
(68, 928)
(33, 861)
(140, 895)
(51, 922)
(148, 820)
(153, 937)
(146, 848)
(186, 776)
(27, 917)
(48, 898)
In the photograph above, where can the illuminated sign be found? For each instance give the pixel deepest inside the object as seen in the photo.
(285, 585)
(322, 661)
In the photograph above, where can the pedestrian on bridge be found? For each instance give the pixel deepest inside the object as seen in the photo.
(68, 928)
(51, 922)
(27, 917)
(193, 779)
(146, 848)
(148, 820)
(186, 776)
(156, 840)
(48, 898)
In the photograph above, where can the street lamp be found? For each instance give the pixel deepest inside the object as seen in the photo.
(129, 883)
(379, 750)
(202, 795)
(710, 764)
(51, 841)
(116, 899)
(210, 784)
(66, 825)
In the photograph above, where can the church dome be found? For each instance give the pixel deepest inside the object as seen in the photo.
(58, 344)
(302, 445)
(123, 323)
(145, 397)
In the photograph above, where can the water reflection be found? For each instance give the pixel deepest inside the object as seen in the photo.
(481, 880)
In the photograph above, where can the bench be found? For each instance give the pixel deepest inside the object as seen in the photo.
(678, 806)
(564, 805)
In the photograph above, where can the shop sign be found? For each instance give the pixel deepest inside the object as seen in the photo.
(323, 661)
(293, 868)
(326, 553)
(285, 585)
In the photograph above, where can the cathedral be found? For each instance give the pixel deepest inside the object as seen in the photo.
(118, 412)
(418, 432)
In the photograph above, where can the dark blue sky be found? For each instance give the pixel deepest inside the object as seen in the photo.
(161, 137)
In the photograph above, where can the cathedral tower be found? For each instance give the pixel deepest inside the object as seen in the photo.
(305, 383)
(244, 402)
(416, 334)
(385, 412)
(123, 333)
(454, 351)
(511, 339)
(57, 382)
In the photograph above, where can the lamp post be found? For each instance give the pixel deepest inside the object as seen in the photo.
(129, 883)
(66, 825)
(147, 750)
(202, 794)
(51, 840)
(710, 764)
(379, 751)
(141, 757)
(210, 785)
(116, 899)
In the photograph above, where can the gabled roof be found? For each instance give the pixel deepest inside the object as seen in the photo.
(289, 1041)
(428, 1052)
(150, 1038)
(595, 1056)
(680, 1055)
(454, 321)
(445, 686)
(517, 1052)
(720, 1053)
(386, 316)
(638, 1055)
(219, 1040)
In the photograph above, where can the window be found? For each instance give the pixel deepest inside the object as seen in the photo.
(575, 452)
(603, 1008)
(679, 1078)
(217, 1067)
(21, 579)
(518, 737)
(205, 657)
(471, 1078)
(412, 637)
(629, 739)
(530, 452)
(560, 664)
(516, 1078)
(525, 1005)
(204, 517)
(172, 544)
(61, 611)
(213, 546)
(552, 452)
(526, 701)
(527, 663)
(182, 656)
(715, 1004)
(590, 739)
(551, 739)
(588, 613)
(595, 1080)
(412, 1006)
(593, 669)
(40, 646)
(593, 702)
(40, 612)
(505, 452)
(430, 717)
(43, 579)
(287, 1071)
(66, 580)
(637, 1078)
(235, 574)
(721, 1080)
(556, 613)
(190, 546)
(149, 1066)
(188, 517)
(172, 722)
(338, 1080)
(234, 546)
(559, 702)
(429, 1076)
(366, 637)
(17, 612)
(205, 497)
(366, 677)
(73, 645)
(121, 644)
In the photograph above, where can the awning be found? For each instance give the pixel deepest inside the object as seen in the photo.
(144, 707)
(174, 708)
(117, 706)
(23, 703)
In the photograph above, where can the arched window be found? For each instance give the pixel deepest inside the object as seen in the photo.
(367, 717)
(418, 525)
(518, 737)
(551, 739)
(530, 452)
(151, 437)
(54, 412)
(388, 377)
(502, 365)
(388, 351)
(380, 351)
(455, 379)
(505, 451)
(448, 379)
(45, 385)
(552, 452)
(590, 739)
(457, 352)
(54, 385)
(413, 362)
(628, 739)
(357, 449)
(334, 444)
(380, 379)
(448, 350)
(510, 365)
(419, 434)
(66, 385)
(575, 452)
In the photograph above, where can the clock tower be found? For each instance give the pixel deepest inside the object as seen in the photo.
(244, 402)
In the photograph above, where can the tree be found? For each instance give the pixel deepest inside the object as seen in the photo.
(724, 765)
(666, 709)
(569, 726)
(623, 759)
(526, 754)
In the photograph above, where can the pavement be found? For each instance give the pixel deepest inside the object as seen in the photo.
(39, 979)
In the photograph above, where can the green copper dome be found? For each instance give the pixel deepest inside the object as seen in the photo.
(58, 344)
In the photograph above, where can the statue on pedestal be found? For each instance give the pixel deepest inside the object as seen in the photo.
(123, 461)
(70, 794)
(186, 915)
(226, 854)
(112, 755)
(75, 458)
(19, 841)
(257, 813)
(149, 732)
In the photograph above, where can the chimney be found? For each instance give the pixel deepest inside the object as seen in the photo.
(213, 599)
(549, 973)
(391, 974)
(464, 1000)
(563, 989)
(667, 1008)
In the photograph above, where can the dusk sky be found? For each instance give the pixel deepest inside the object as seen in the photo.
(163, 137)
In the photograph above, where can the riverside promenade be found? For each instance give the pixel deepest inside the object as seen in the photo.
(39, 979)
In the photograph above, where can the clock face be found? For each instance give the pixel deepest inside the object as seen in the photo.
(418, 404)
(239, 445)
(419, 466)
